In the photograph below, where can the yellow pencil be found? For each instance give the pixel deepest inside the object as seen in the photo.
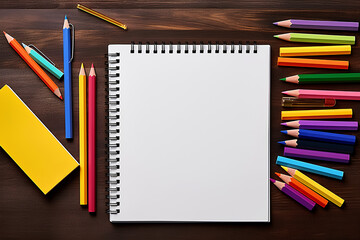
(101, 16)
(316, 114)
(315, 51)
(332, 197)
(82, 136)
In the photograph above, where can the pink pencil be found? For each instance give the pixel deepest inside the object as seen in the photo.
(91, 139)
(322, 94)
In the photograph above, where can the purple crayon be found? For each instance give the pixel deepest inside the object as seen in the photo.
(291, 192)
(322, 25)
(323, 125)
(317, 155)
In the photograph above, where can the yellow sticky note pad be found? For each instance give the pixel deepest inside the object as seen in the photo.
(30, 144)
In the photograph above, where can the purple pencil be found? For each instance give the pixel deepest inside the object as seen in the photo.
(317, 155)
(323, 125)
(323, 25)
(291, 192)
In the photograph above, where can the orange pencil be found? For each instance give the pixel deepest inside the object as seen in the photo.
(303, 189)
(33, 65)
(312, 63)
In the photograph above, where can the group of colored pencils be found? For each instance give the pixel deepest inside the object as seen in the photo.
(342, 47)
(314, 144)
(313, 131)
(87, 99)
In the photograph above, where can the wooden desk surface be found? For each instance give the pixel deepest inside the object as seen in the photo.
(26, 213)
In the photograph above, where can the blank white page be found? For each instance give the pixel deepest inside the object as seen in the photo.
(194, 134)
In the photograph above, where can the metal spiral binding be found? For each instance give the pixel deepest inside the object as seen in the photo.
(192, 48)
(113, 123)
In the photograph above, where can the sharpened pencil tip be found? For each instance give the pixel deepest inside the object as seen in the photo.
(283, 124)
(61, 98)
(65, 16)
(92, 70)
(282, 142)
(276, 36)
(24, 45)
(284, 92)
(284, 131)
(275, 23)
(282, 79)
(285, 168)
(272, 180)
(278, 174)
(4, 32)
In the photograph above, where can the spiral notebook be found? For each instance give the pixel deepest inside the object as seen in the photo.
(188, 132)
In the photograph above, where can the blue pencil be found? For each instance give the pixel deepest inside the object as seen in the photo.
(321, 136)
(67, 80)
(308, 167)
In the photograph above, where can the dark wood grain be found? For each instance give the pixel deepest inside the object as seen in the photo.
(26, 213)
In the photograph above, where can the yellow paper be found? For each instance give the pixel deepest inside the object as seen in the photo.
(83, 140)
(30, 144)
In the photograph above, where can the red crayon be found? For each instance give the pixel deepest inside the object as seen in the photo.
(91, 139)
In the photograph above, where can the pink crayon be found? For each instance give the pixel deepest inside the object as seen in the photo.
(323, 94)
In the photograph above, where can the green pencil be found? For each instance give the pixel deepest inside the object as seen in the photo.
(317, 38)
(323, 78)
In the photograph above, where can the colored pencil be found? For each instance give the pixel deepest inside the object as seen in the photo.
(321, 25)
(33, 65)
(312, 63)
(321, 136)
(92, 138)
(315, 51)
(316, 114)
(321, 146)
(101, 16)
(321, 94)
(43, 62)
(83, 136)
(67, 79)
(309, 167)
(317, 38)
(291, 192)
(316, 155)
(305, 103)
(307, 192)
(323, 78)
(323, 125)
(338, 201)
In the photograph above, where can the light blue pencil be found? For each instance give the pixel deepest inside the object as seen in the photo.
(308, 167)
(67, 80)
(43, 62)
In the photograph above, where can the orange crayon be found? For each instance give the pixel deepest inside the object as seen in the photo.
(312, 63)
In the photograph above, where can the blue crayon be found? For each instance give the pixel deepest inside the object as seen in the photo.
(321, 136)
(308, 167)
(67, 80)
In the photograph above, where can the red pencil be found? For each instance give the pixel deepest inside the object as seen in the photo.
(91, 139)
